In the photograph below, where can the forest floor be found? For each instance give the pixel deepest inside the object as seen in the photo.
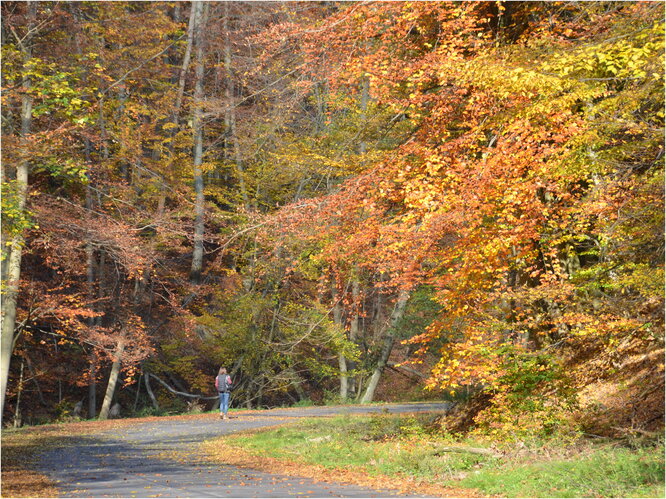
(161, 457)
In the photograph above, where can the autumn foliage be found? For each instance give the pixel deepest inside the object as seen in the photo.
(467, 193)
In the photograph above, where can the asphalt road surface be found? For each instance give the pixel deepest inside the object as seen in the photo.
(146, 460)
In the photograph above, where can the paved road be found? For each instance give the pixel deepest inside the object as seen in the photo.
(134, 461)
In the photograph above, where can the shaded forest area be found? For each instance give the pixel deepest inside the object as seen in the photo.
(337, 202)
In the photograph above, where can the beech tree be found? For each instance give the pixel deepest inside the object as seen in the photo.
(313, 193)
(490, 195)
(15, 209)
(200, 15)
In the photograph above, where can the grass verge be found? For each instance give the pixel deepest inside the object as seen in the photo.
(607, 472)
(408, 453)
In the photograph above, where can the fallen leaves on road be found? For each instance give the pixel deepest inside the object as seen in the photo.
(20, 447)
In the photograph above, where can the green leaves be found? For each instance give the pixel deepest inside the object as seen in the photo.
(69, 170)
(15, 221)
(58, 92)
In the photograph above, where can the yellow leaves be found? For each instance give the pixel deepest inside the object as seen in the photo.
(622, 58)
(208, 166)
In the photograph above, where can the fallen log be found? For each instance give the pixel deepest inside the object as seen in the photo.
(176, 392)
(438, 451)
(634, 431)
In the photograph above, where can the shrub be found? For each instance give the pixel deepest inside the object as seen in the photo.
(532, 397)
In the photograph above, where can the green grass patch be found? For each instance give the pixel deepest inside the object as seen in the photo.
(376, 445)
(610, 472)
(407, 446)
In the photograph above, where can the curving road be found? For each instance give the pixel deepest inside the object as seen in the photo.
(146, 459)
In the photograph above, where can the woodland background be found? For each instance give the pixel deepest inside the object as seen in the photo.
(337, 202)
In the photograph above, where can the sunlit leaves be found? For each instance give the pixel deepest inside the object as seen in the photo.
(517, 196)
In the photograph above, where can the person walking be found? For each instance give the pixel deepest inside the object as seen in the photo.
(223, 384)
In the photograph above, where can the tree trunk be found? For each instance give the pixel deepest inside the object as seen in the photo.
(175, 112)
(90, 274)
(17, 412)
(33, 375)
(230, 114)
(113, 379)
(101, 274)
(365, 98)
(342, 360)
(153, 400)
(191, 26)
(389, 339)
(138, 391)
(9, 311)
(104, 136)
(13, 268)
(197, 126)
(354, 329)
(344, 379)
(378, 319)
(92, 386)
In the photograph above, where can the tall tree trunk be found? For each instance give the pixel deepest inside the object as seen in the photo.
(230, 114)
(365, 98)
(175, 112)
(113, 379)
(389, 339)
(191, 26)
(342, 360)
(197, 125)
(354, 329)
(15, 245)
(90, 274)
(92, 384)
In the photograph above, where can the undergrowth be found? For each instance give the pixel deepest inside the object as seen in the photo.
(414, 446)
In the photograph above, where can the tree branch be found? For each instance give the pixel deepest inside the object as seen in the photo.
(397, 367)
(146, 61)
(176, 392)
